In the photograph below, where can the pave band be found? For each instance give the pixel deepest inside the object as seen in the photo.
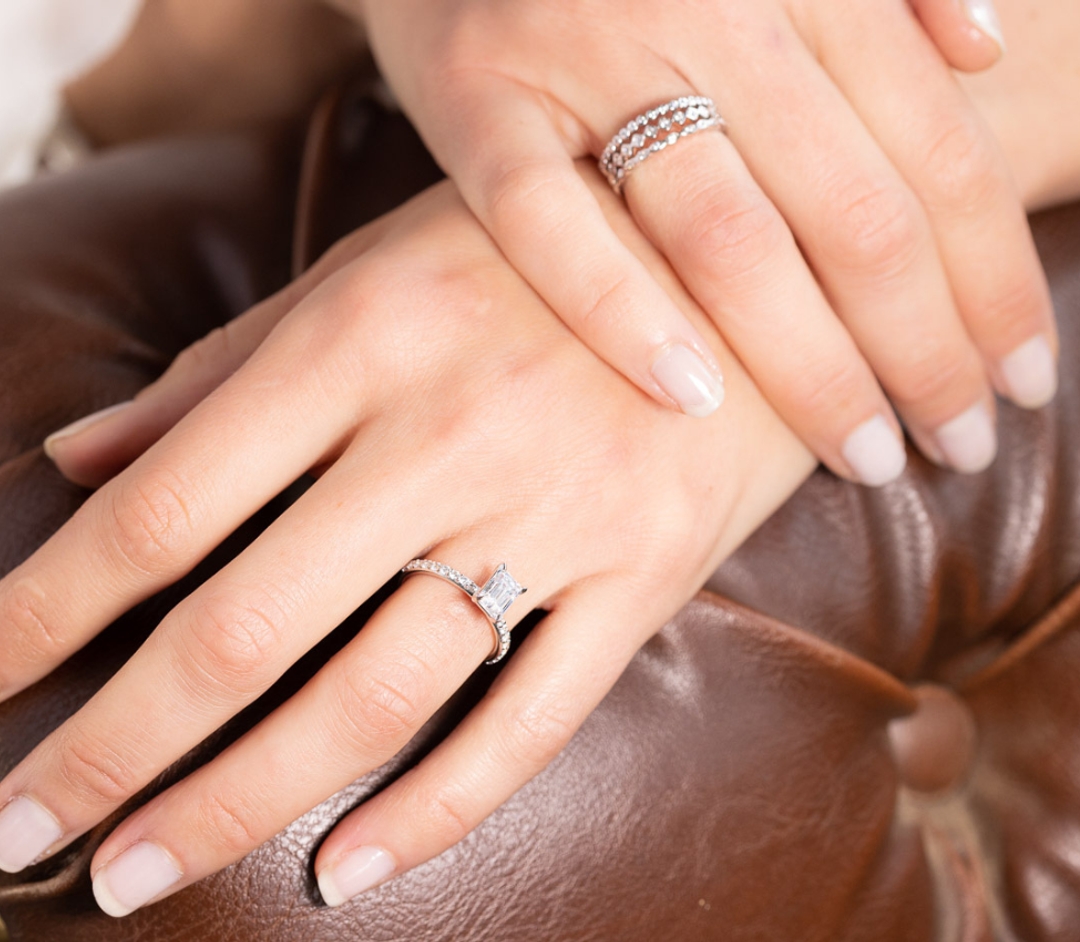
(653, 131)
(493, 598)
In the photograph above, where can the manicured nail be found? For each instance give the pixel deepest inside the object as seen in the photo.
(683, 375)
(141, 873)
(969, 442)
(81, 426)
(1030, 373)
(26, 831)
(875, 452)
(353, 874)
(983, 14)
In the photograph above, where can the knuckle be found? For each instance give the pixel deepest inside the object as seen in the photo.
(447, 816)
(831, 389)
(934, 371)
(536, 734)
(381, 706)
(93, 774)
(32, 634)
(230, 644)
(520, 194)
(735, 233)
(231, 824)
(875, 229)
(1016, 309)
(611, 298)
(963, 174)
(150, 522)
(204, 355)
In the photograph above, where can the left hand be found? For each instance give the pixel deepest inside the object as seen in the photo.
(450, 414)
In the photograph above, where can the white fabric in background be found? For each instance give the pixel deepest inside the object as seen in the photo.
(43, 45)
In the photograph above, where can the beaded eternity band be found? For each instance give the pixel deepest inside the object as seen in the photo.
(653, 131)
(494, 598)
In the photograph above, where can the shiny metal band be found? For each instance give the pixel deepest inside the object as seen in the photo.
(494, 598)
(654, 131)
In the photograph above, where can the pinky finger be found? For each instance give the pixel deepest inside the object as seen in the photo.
(967, 32)
(537, 705)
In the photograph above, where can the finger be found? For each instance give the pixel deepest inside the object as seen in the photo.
(735, 253)
(156, 520)
(359, 711)
(221, 648)
(523, 185)
(967, 32)
(869, 241)
(538, 703)
(955, 166)
(94, 449)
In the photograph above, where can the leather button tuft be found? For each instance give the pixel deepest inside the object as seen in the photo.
(935, 746)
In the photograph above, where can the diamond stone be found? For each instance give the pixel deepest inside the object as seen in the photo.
(498, 593)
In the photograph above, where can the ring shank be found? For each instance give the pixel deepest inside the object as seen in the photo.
(472, 590)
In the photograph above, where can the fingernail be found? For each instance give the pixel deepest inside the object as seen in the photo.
(983, 14)
(1030, 373)
(875, 452)
(81, 426)
(141, 873)
(353, 874)
(26, 831)
(683, 375)
(969, 442)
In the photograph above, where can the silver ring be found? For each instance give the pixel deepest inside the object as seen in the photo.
(494, 598)
(654, 131)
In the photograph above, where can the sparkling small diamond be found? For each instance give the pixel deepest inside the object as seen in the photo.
(691, 113)
(626, 150)
(651, 132)
(679, 117)
(672, 137)
(498, 593)
(617, 160)
(638, 140)
(665, 123)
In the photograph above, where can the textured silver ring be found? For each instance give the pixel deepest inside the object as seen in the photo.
(655, 130)
(493, 598)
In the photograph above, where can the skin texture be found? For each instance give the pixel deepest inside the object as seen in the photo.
(442, 405)
(857, 237)
(447, 412)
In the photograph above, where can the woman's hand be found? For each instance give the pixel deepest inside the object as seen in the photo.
(449, 414)
(859, 222)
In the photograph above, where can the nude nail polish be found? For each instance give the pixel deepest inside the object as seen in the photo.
(68, 431)
(1030, 374)
(141, 873)
(689, 380)
(969, 442)
(27, 831)
(984, 17)
(355, 873)
(875, 452)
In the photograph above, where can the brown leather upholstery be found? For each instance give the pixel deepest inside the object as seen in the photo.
(876, 740)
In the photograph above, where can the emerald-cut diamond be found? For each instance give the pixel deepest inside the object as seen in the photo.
(498, 593)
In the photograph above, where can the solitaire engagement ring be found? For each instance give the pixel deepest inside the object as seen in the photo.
(653, 131)
(494, 598)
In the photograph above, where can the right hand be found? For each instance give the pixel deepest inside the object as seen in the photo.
(855, 162)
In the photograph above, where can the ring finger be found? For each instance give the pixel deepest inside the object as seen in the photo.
(357, 713)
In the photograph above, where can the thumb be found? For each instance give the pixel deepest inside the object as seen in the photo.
(967, 32)
(94, 449)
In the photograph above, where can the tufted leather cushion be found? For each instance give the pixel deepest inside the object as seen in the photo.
(863, 730)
